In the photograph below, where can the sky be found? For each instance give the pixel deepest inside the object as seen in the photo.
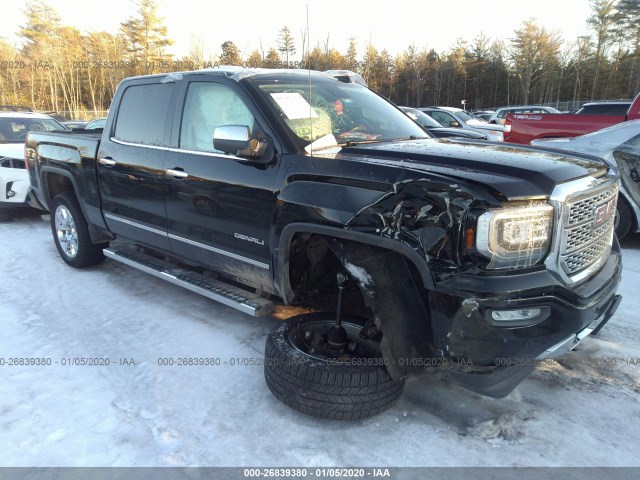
(389, 25)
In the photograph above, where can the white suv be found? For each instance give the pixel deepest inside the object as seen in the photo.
(14, 180)
(500, 114)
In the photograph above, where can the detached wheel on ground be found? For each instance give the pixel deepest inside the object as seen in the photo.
(305, 373)
(71, 233)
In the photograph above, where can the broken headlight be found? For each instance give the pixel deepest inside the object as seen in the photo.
(516, 236)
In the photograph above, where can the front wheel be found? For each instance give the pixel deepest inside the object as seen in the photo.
(71, 233)
(302, 372)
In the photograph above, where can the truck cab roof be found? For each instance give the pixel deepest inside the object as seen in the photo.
(239, 73)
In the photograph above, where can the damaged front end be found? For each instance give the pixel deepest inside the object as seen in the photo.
(507, 291)
(426, 216)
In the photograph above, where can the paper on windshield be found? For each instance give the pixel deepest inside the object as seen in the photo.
(323, 143)
(294, 105)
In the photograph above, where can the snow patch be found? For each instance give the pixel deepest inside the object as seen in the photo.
(359, 274)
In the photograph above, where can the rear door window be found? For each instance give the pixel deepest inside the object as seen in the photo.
(604, 109)
(442, 118)
(143, 113)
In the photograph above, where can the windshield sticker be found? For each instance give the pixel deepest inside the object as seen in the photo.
(322, 143)
(294, 105)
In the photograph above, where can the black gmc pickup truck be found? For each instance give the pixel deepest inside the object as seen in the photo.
(258, 187)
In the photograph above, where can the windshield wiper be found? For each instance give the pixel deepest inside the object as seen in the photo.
(353, 143)
(410, 137)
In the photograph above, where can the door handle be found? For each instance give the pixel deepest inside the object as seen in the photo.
(107, 162)
(176, 172)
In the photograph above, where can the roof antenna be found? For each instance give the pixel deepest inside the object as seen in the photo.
(309, 74)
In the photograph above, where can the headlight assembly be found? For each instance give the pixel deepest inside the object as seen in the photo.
(516, 236)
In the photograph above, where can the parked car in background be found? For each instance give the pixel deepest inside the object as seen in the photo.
(437, 130)
(72, 124)
(618, 145)
(457, 118)
(15, 122)
(500, 114)
(483, 114)
(96, 124)
(58, 117)
(523, 127)
(605, 108)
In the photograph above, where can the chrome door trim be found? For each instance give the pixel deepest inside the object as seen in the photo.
(219, 251)
(188, 241)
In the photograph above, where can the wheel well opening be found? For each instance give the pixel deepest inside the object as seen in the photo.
(313, 270)
(313, 267)
(57, 184)
(388, 290)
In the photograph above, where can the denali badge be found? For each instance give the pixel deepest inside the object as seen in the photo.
(605, 211)
(248, 239)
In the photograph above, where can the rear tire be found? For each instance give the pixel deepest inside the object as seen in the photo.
(71, 233)
(5, 215)
(321, 388)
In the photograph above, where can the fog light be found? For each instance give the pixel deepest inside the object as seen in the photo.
(522, 317)
(10, 193)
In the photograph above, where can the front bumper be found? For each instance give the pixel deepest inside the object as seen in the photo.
(14, 185)
(493, 360)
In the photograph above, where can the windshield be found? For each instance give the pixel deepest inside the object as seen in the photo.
(464, 116)
(96, 124)
(14, 129)
(421, 118)
(331, 113)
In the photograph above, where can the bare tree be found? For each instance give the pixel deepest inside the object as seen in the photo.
(533, 52)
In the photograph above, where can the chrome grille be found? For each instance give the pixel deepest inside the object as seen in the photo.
(587, 256)
(585, 244)
(583, 210)
(582, 235)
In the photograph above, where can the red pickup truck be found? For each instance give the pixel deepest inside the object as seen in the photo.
(522, 128)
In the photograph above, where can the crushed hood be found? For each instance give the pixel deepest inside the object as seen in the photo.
(517, 172)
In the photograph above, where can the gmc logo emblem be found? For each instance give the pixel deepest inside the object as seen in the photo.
(605, 211)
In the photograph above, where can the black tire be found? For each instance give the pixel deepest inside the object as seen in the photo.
(71, 233)
(625, 222)
(321, 388)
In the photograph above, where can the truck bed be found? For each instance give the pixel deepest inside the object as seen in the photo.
(70, 153)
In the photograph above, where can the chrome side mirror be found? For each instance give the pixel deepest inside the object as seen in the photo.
(231, 138)
(236, 140)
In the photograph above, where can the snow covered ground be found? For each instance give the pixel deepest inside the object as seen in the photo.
(580, 412)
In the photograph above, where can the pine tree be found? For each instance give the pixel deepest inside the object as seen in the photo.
(147, 37)
(230, 54)
(352, 55)
(601, 22)
(628, 24)
(286, 44)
